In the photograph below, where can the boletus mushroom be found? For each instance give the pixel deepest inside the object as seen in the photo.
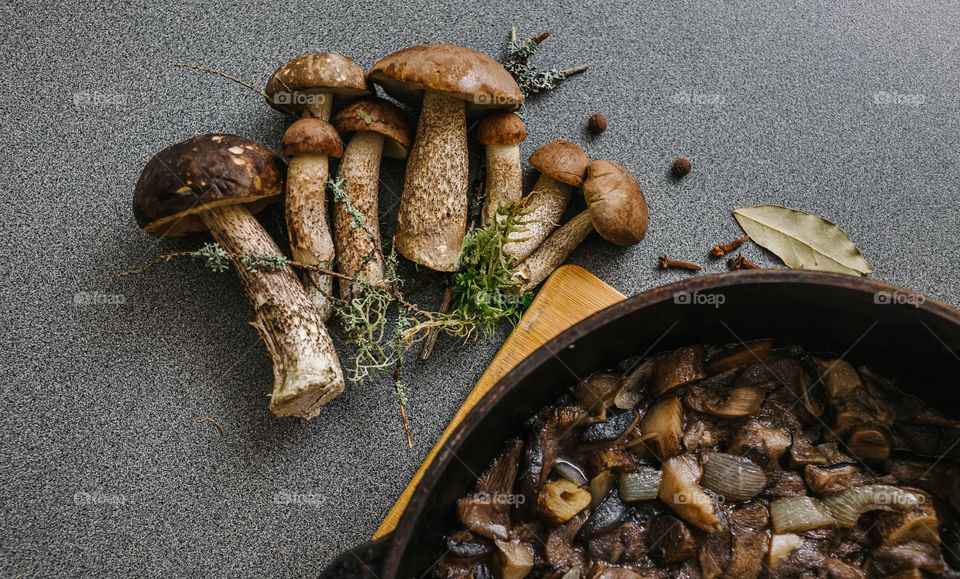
(308, 85)
(378, 129)
(309, 142)
(501, 133)
(449, 82)
(615, 208)
(562, 165)
(216, 183)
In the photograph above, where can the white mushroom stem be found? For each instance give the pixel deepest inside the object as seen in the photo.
(306, 369)
(308, 226)
(356, 246)
(433, 210)
(319, 105)
(554, 251)
(542, 210)
(504, 179)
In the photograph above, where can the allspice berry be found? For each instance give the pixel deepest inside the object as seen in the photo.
(681, 166)
(597, 124)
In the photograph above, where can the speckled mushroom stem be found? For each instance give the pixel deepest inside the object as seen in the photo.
(319, 106)
(433, 210)
(504, 179)
(554, 251)
(308, 226)
(543, 209)
(360, 168)
(306, 369)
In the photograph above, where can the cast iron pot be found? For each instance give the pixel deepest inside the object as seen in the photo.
(897, 332)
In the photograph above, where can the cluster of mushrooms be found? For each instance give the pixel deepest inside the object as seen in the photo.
(740, 461)
(218, 182)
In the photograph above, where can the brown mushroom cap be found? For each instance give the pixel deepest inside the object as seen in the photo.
(501, 128)
(379, 116)
(456, 71)
(185, 179)
(618, 210)
(315, 73)
(310, 136)
(561, 160)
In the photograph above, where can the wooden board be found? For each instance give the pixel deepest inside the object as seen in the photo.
(569, 295)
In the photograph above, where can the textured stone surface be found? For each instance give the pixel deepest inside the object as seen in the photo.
(847, 110)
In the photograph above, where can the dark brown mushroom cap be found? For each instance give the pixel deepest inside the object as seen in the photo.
(501, 128)
(379, 116)
(310, 136)
(290, 85)
(561, 160)
(615, 201)
(456, 71)
(185, 179)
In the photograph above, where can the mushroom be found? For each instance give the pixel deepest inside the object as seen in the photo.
(679, 491)
(615, 208)
(309, 84)
(453, 81)
(379, 129)
(562, 165)
(857, 418)
(502, 132)
(309, 142)
(217, 182)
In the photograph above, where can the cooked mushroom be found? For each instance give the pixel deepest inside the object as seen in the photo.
(676, 368)
(562, 166)
(448, 82)
(859, 421)
(501, 133)
(679, 491)
(487, 511)
(378, 129)
(216, 183)
(514, 559)
(665, 421)
(733, 472)
(615, 208)
(889, 560)
(671, 539)
(308, 142)
(726, 402)
(309, 84)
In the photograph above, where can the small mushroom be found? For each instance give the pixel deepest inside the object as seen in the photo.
(449, 82)
(217, 183)
(308, 85)
(379, 129)
(502, 132)
(309, 142)
(562, 166)
(615, 208)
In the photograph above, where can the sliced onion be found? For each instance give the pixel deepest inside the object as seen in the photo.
(631, 385)
(735, 478)
(847, 506)
(570, 471)
(640, 486)
(789, 514)
(599, 487)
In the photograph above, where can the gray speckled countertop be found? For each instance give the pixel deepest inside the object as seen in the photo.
(847, 110)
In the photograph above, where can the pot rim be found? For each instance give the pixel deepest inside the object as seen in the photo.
(408, 521)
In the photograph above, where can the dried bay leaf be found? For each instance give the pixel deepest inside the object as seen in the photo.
(802, 240)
